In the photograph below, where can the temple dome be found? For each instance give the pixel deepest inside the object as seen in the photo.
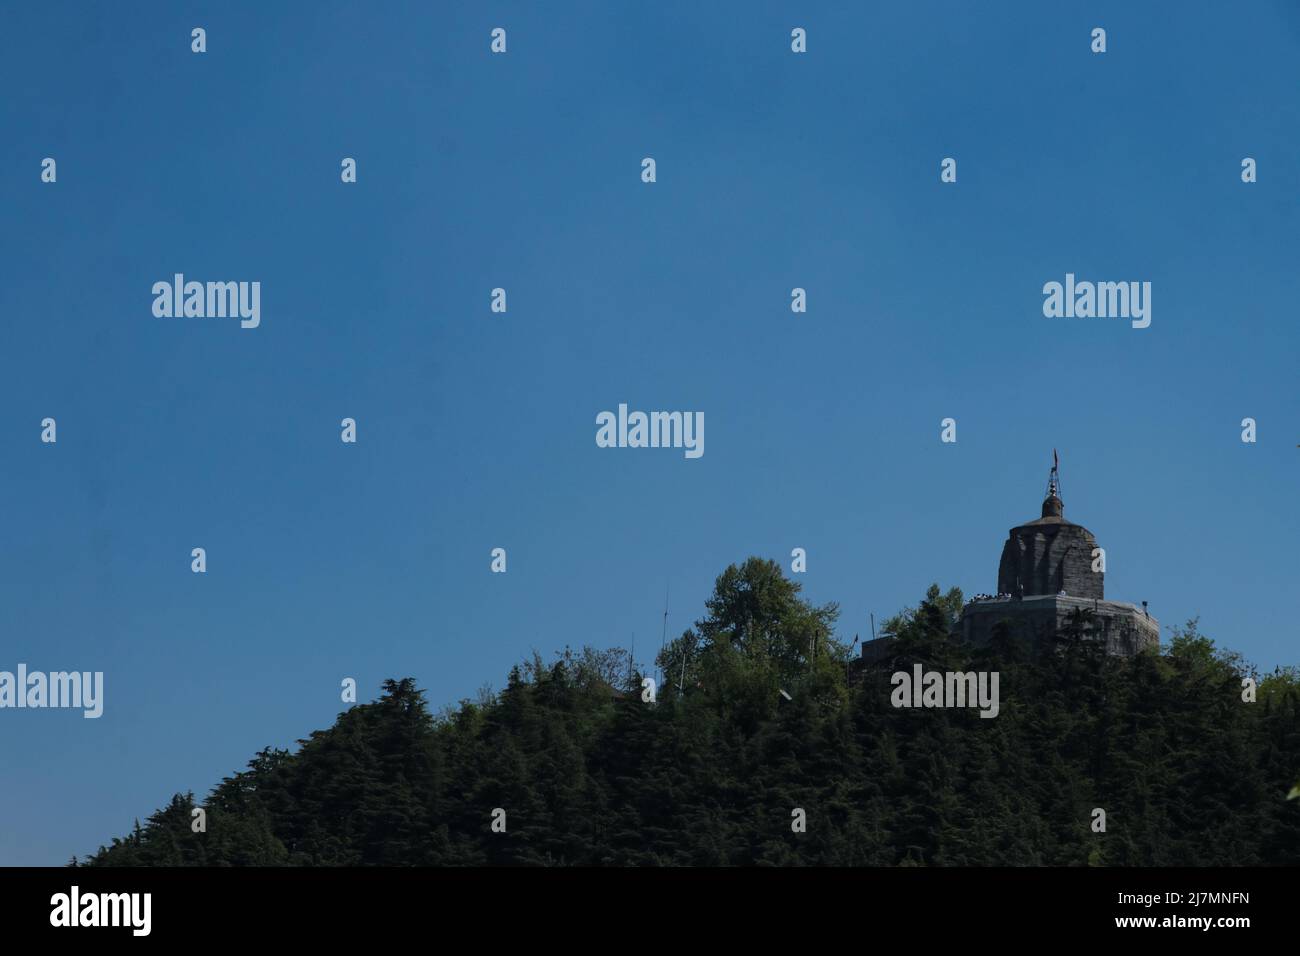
(1050, 555)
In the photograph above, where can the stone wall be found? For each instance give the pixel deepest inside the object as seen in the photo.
(1125, 629)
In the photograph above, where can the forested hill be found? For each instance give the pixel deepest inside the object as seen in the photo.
(713, 772)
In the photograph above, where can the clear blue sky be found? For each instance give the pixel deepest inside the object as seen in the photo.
(477, 430)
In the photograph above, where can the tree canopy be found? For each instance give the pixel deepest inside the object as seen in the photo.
(760, 712)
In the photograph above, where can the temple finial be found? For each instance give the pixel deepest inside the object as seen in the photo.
(1053, 507)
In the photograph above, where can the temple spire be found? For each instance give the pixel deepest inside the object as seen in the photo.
(1052, 504)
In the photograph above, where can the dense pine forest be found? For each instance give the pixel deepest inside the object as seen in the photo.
(760, 711)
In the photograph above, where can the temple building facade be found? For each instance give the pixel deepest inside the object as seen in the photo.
(1046, 573)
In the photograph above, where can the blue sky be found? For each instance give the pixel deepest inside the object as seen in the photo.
(476, 430)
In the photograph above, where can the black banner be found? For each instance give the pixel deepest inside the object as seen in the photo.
(528, 905)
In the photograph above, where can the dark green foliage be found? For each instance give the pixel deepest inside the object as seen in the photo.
(589, 774)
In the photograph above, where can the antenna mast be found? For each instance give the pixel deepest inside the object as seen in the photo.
(663, 638)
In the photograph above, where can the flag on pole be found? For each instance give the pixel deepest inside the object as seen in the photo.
(1056, 462)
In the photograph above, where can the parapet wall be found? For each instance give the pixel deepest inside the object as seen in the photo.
(1126, 630)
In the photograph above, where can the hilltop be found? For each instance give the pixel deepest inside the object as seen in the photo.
(759, 715)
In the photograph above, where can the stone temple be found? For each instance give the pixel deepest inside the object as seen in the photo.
(1046, 572)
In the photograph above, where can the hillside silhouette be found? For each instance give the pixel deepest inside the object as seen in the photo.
(709, 774)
